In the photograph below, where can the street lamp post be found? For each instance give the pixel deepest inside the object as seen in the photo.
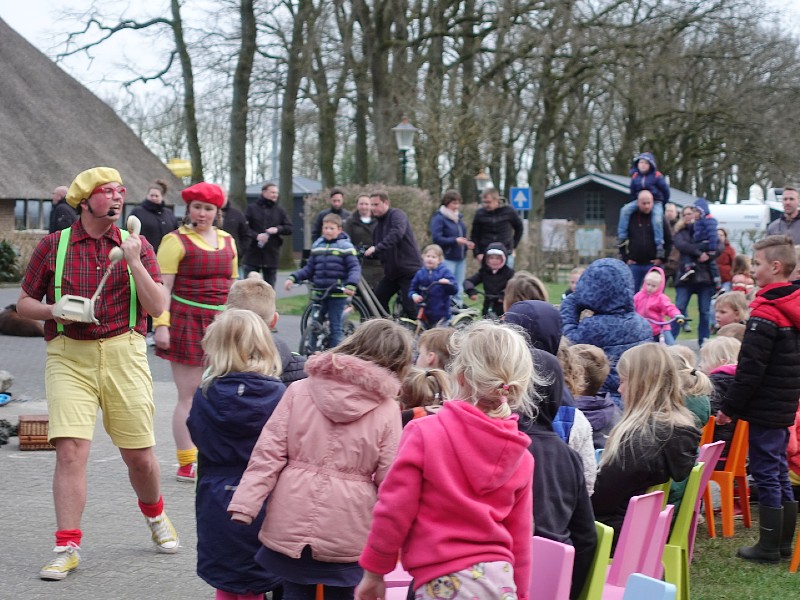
(481, 180)
(404, 133)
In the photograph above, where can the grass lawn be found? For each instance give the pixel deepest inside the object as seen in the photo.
(717, 573)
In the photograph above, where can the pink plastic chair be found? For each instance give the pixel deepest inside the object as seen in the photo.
(634, 548)
(397, 583)
(709, 455)
(551, 569)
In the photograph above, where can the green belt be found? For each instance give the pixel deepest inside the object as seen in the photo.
(219, 307)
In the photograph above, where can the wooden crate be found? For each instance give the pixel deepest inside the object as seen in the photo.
(33, 432)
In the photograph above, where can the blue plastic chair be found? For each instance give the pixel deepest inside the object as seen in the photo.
(642, 587)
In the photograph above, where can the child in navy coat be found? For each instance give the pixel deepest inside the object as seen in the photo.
(238, 394)
(435, 285)
(645, 176)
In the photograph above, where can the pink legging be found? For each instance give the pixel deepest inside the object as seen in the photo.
(228, 596)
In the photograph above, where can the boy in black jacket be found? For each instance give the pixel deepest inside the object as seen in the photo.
(494, 275)
(765, 393)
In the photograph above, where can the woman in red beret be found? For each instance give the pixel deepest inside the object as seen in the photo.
(198, 262)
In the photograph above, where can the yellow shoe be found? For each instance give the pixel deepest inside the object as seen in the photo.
(163, 533)
(66, 560)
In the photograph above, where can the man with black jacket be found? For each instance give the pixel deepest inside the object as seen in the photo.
(395, 245)
(640, 251)
(235, 223)
(268, 222)
(336, 200)
(496, 223)
(62, 215)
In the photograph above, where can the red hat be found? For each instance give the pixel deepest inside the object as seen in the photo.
(205, 192)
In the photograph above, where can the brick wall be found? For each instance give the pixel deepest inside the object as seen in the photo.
(23, 241)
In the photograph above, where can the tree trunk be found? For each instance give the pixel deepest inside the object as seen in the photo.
(189, 106)
(239, 105)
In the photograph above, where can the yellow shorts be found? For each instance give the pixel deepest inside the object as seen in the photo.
(110, 374)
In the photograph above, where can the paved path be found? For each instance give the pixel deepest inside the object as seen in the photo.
(118, 560)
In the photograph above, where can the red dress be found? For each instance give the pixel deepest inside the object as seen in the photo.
(203, 277)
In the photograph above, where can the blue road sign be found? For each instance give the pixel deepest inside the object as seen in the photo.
(521, 198)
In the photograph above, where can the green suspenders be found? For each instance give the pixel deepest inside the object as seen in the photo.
(61, 257)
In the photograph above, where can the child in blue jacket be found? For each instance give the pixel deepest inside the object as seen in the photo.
(706, 236)
(333, 262)
(645, 176)
(435, 285)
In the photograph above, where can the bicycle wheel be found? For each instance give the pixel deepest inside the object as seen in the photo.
(314, 339)
(464, 318)
(304, 319)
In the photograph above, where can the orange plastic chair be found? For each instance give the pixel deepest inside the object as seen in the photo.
(795, 556)
(707, 435)
(733, 476)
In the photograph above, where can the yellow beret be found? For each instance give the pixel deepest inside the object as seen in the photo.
(88, 181)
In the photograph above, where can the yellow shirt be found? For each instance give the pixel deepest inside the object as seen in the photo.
(171, 251)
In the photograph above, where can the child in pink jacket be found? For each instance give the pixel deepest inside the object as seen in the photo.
(320, 459)
(654, 305)
(458, 499)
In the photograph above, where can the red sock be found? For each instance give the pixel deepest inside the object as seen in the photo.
(152, 510)
(65, 536)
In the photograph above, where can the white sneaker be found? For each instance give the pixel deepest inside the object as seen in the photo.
(150, 339)
(163, 533)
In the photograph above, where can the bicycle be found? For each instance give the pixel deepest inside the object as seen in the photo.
(491, 313)
(315, 330)
(667, 325)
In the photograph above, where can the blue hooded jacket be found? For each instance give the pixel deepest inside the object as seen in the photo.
(705, 228)
(653, 181)
(606, 289)
(225, 422)
(332, 262)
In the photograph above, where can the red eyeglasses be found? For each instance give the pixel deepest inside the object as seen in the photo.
(109, 191)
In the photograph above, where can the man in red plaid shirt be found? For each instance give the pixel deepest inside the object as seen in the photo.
(103, 366)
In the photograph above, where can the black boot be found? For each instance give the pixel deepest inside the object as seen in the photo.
(787, 531)
(767, 549)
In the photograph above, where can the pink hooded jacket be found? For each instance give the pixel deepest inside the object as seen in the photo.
(321, 457)
(656, 307)
(459, 493)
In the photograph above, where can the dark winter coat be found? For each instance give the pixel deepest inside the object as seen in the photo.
(332, 262)
(722, 378)
(602, 413)
(705, 229)
(653, 181)
(684, 241)
(444, 232)
(494, 282)
(637, 468)
(436, 297)
(499, 225)
(396, 245)
(235, 223)
(157, 221)
(316, 229)
(261, 215)
(562, 510)
(225, 421)
(293, 364)
(766, 387)
(641, 246)
(361, 235)
(606, 289)
(62, 215)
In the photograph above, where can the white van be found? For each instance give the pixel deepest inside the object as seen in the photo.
(745, 223)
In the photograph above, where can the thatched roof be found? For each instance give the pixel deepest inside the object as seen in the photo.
(52, 128)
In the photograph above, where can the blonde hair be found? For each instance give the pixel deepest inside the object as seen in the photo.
(595, 367)
(425, 387)
(736, 301)
(693, 381)
(253, 293)
(493, 369)
(524, 286)
(436, 249)
(574, 376)
(437, 340)
(653, 404)
(719, 351)
(732, 330)
(238, 341)
(379, 341)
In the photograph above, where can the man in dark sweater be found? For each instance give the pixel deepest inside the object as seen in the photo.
(62, 215)
(496, 222)
(336, 200)
(395, 245)
(268, 222)
(235, 223)
(640, 251)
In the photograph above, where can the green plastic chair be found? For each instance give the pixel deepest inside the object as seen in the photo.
(596, 578)
(661, 487)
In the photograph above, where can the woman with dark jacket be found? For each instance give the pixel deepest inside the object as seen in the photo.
(359, 226)
(450, 233)
(157, 220)
(693, 275)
